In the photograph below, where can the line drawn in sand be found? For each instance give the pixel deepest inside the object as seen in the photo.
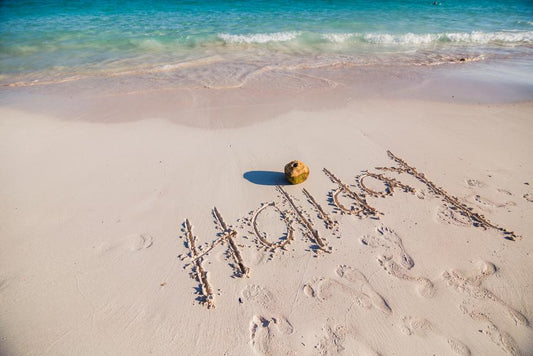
(199, 273)
(422, 327)
(390, 184)
(197, 254)
(391, 246)
(353, 284)
(310, 231)
(263, 237)
(450, 201)
(240, 269)
(361, 209)
(330, 224)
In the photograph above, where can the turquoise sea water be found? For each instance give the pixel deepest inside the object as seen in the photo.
(56, 40)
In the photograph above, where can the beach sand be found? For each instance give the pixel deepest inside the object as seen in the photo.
(431, 258)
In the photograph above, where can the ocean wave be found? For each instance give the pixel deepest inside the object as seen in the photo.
(150, 44)
(339, 37)
(476, 37)
(409, 38)
(487, 37)
(259, 37)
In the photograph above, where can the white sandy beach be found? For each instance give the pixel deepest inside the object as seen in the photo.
(95, 259)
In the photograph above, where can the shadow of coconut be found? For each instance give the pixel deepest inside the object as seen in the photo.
(265, 178)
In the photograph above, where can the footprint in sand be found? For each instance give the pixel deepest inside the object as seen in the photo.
(140, 242)
(475, 183)
(504, 191)
(421, 194)
(387, 241)
(352, 284)
(452, 217)
(258, 296)
(133, 243)
(4, 284)
(332, 343)
(497, 336)
(484, 202)
(423, 328)
(425, 287)
(528, 197)
(359, 282)
(337, 339)
(472, 287)
(268, 336)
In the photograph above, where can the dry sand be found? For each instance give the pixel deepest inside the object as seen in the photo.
(97, 258)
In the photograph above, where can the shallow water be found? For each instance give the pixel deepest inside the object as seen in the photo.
(223, 43)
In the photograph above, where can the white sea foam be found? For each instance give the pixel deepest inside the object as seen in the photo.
(487, 37)
(408, 38)
(464, 37)
(385, 38)
(259, 37)
(339, 37)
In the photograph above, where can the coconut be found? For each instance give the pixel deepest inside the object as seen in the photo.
(296, 172)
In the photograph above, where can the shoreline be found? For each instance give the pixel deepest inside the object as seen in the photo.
(273, 93)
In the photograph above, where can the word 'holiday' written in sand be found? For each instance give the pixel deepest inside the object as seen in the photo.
(290, 213)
